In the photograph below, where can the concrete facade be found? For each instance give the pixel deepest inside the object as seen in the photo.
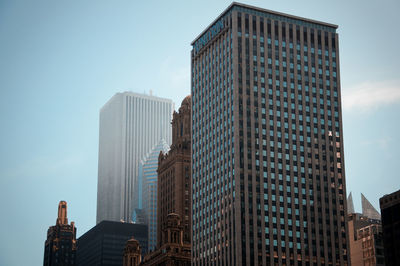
(366, 241)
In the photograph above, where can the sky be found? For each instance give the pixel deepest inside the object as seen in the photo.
(60, 61)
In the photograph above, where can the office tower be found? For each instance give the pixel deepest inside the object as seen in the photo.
(149, 175)
(174, 174)
(132, 253)
(366, 240)
(390, 210)
(130, 125)
(268, 170)
(60, 245)
(173, 250)
(104, 244)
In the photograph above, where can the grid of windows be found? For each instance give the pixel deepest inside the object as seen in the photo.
(266, 115)
(149, 173)
(213, 147)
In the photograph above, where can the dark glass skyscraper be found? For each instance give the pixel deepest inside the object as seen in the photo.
(390, 208)
(267, 150)
(104, 244)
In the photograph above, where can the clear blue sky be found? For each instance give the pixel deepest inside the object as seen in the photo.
(60, 61)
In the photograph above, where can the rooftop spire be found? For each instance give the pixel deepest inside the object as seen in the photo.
(62, 213)
(369, 210)
(350, 204)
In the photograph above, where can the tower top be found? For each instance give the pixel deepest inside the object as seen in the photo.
(62, 213)
(369, 210)
(350, 204)
(272, 15)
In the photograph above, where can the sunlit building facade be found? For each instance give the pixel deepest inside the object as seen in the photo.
(267, 149)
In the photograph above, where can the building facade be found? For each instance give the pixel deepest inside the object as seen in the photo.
(174, 174)
(104, 244)
(130, 125)
(132, 253)
(173, 251)
(366, 241)
(149, 194)
(268, 180)
(60, 245)
(390, 210)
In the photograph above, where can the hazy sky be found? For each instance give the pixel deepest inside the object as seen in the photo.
(60, 61)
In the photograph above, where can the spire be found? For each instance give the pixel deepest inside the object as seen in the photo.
(369, 210)
(350, 204)
(62, 213)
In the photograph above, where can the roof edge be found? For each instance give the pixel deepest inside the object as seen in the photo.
(262, 10)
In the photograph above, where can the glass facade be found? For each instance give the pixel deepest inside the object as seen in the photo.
(268, 169)
(149, 200)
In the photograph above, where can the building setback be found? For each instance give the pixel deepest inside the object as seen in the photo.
(104, 244)
(60, 245)
(390, 210)
(268, 179)
(130, 125)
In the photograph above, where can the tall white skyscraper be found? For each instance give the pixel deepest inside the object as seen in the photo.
(131, 124)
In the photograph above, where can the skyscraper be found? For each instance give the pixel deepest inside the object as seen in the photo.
(149, 175)
(268, 170)
(104, 244)
(173, 195)
(390, 209)
(130, 125)
(60, 245)
(174, 174)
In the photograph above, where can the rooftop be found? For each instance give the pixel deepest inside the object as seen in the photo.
(272, 14)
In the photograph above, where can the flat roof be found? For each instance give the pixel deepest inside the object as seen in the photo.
(265, 11)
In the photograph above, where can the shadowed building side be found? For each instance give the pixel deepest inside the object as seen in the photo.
(390, 209)
(105, 243)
